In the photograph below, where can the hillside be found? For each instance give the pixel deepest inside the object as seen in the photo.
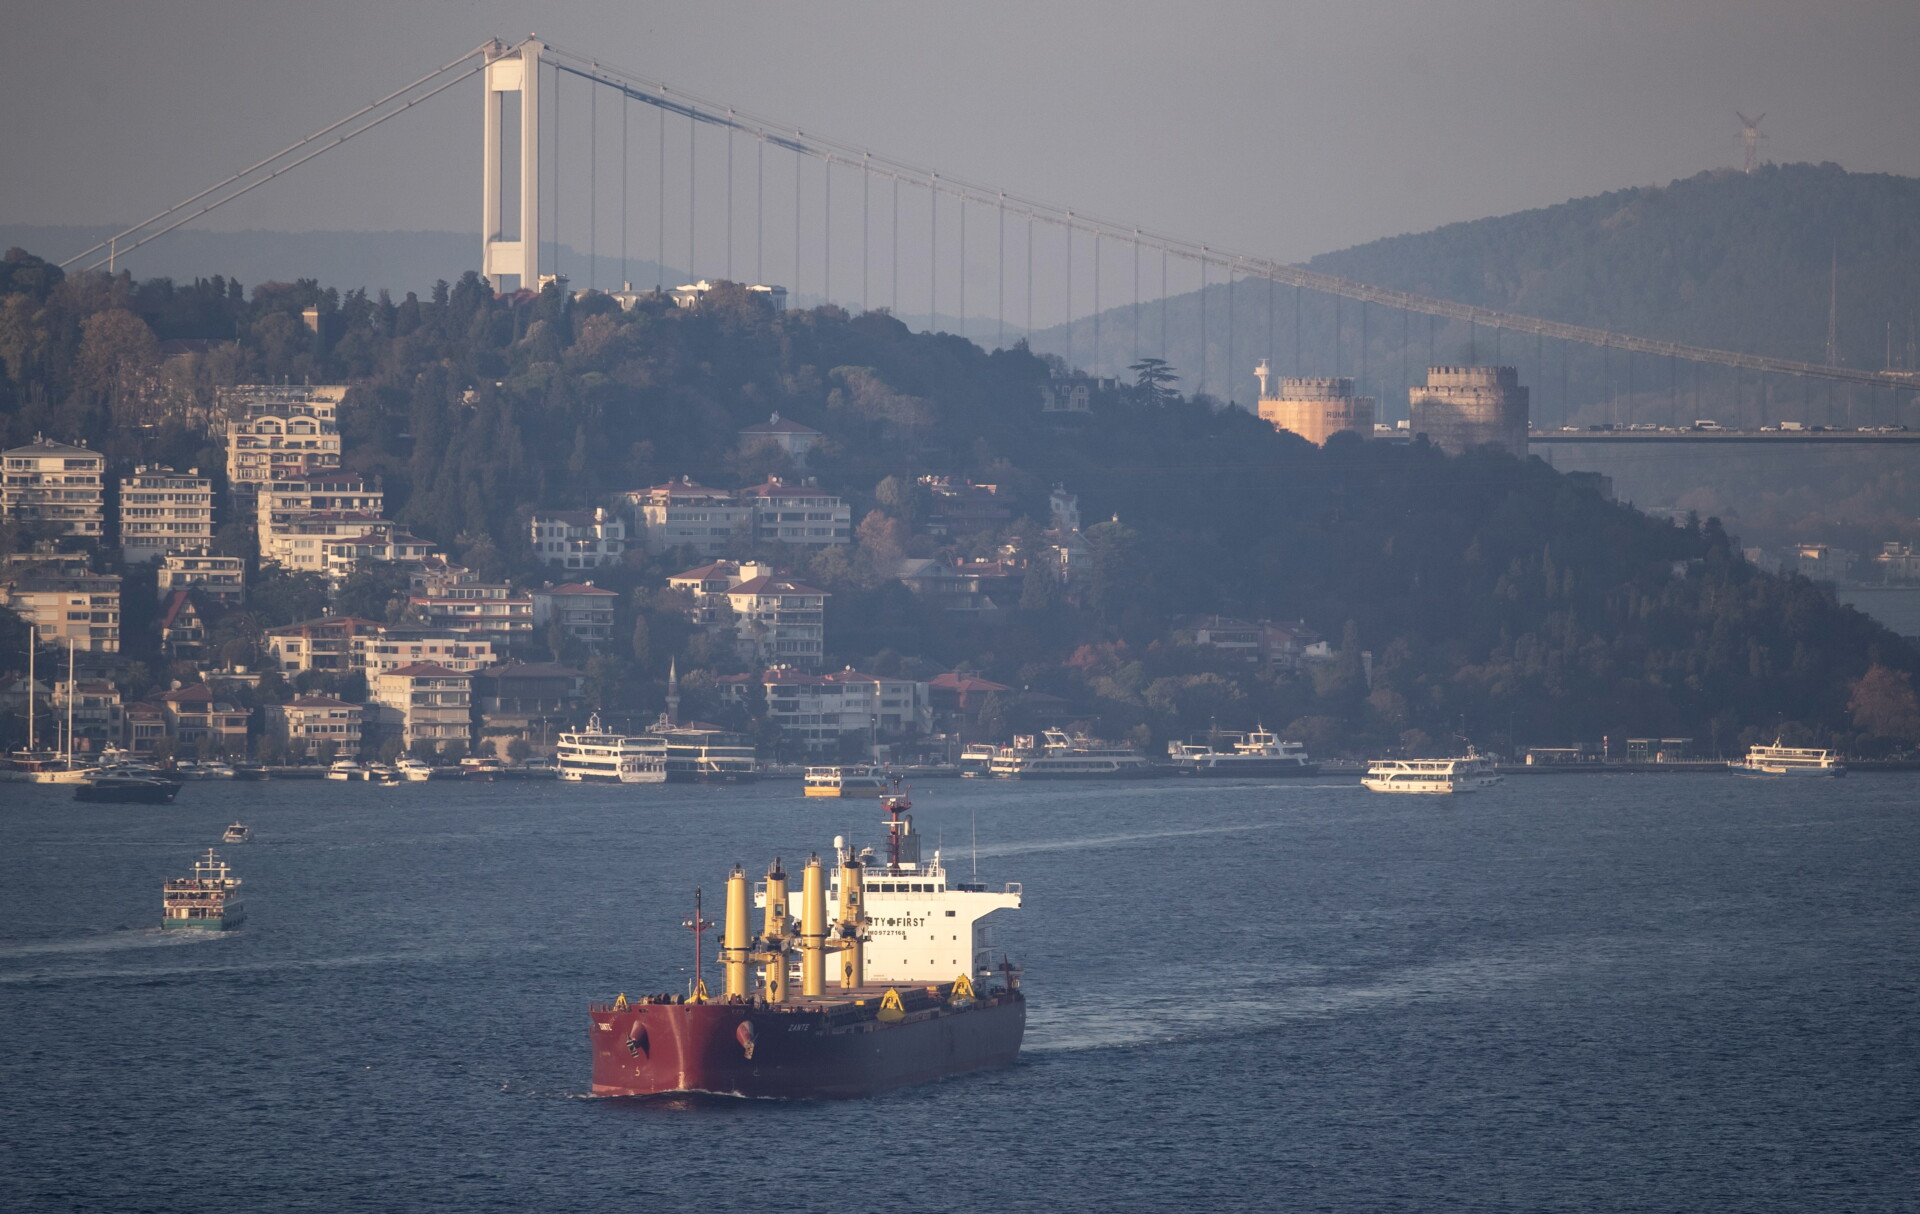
(1498, 599)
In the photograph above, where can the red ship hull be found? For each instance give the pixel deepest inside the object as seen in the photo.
(807, 1051)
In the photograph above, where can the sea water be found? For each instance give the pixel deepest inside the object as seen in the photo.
(1614, 992)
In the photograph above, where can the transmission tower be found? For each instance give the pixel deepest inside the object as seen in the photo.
(1750, 138)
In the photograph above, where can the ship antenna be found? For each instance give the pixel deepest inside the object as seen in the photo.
(698, 925)
(976, 843)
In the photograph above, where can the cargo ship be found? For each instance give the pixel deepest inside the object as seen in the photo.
(918, 998)
(206, 901)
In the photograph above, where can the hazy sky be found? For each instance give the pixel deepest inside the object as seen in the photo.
(1279, 129)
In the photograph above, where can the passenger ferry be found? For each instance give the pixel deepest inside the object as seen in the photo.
(1249, 754)
(595, 755)
(1059, 757)
(1470, 773)
(709, 756)
(843, 782)
(206, 901)
(976, 761)
(1778, 760)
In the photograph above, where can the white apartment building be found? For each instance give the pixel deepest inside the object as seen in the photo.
(681, 513)
(221, 578)
(578, 539)
(303, 542)
(288, 497)
(280, 442)
(56, 484)
(314, 719)
(389, 648)
(815, 711)
(163, 511)
(343, 556)
(581, 609)
(802, 515)
(494, 611)
(779, 620)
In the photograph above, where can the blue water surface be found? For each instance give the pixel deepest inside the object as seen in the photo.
(1583, 992)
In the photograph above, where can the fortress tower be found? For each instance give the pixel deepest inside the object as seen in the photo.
(1464, 407)
(1315, 408)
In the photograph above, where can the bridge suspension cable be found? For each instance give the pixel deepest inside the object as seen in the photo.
(261, 172)
(832, 151)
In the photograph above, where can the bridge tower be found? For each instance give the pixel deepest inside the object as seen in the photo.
(510, 209)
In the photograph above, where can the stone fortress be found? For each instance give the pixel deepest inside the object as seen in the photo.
(1458, 408)
(1315, 408)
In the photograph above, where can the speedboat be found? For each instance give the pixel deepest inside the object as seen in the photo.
(236, 833)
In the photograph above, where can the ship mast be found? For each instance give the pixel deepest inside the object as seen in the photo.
(698, 926)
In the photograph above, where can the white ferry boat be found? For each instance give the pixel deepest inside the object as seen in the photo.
(976, 761)
(1258, 753)
(1060, 757)
(920, 924)
(843, 782)
(709, 756)
(1778, 760)
(595, 755)
(1470, 773)
(206, 901)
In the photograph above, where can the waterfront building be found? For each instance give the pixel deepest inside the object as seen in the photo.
(197, 714)
(56, 485)
(533, 701)
(429, 703)
(163, 511)
(145, 723)
(311, 720)
(98, 718)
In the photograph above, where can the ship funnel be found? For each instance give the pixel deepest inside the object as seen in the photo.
(813, 930)
(735, 943)
(774, 971)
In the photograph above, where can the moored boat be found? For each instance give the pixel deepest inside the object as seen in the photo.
(597, 755)
(346, 769)
(1258, 753)
(1061, 757)
(206, 901)
(115, 788)
(413, 770)
(1778, 760)
(1469, 773)
(842, 782)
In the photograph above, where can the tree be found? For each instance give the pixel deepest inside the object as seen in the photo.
(375, 590)
(1154, 378)
(1882, 703)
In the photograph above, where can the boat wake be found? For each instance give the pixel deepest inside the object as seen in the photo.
(1237, 1011)
(1102, 841)
(107, 942)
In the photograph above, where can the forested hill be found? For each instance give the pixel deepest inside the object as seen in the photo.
(1721, 259)
(1497, 599)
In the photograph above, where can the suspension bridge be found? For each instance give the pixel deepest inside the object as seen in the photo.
(579, 152)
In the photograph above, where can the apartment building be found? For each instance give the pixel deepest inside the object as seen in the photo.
(779, 620)
(221, 579)
(198, 714)
(802, 515)
(56, 485)
(429, 703)
(578, 539)
(493, 611)
(313, 719)
(98, 718)
(581, 609)
(163, 511)
(684, 514)
(83, 608)
(814, 712)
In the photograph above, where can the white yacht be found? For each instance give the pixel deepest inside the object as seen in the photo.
(346, 769)
(1778, 760)
(413, 770)
(1060, 757)
(1469, 773)
(597, 756)
(1258, 753)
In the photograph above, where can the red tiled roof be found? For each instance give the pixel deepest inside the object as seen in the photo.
(965, 683)
(430, 670)
(707, 572)
(773, 584)
(198, 693)
(177, 602)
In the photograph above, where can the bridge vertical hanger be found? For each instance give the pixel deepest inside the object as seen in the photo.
(513, 254)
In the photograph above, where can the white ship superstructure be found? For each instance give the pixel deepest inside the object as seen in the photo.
(1778, 760)
(921, 926)
(1469, 773)
(1258, 753)
(598, 756)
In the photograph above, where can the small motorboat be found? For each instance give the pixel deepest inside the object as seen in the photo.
(114, 789)
(237, 833)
